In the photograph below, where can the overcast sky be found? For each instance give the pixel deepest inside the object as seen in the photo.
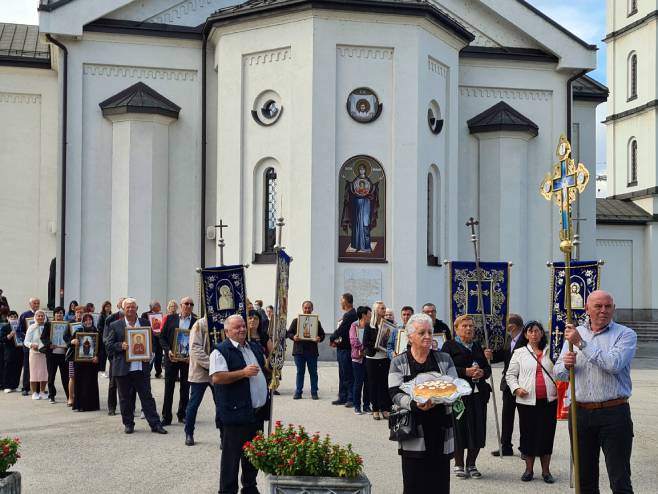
(585, 18)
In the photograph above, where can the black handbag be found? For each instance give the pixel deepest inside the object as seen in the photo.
(402, 426)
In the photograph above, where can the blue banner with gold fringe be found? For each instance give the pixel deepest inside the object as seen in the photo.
(584, 280)
(495, 278)
(224, 294)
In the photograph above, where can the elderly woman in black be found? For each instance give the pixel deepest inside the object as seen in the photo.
(471, 364)
(425, 459)
(85, 395)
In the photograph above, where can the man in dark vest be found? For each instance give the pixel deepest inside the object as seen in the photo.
(237, 371)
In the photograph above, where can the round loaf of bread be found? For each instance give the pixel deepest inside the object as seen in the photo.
(434, 389)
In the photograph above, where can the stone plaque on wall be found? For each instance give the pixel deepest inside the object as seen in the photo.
(364, 284)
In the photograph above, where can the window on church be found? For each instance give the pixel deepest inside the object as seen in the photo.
(632, 7)
(269, 210)
(632, 76)
(432, 226)
(632, 162)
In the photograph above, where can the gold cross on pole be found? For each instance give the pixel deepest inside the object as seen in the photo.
(563, 185)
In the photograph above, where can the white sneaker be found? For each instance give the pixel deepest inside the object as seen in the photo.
(43, 396)
(9, 390)
(35, 396)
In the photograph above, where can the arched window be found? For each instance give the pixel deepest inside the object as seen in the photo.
(632, 7)
(632, 76)
(632, 162)
(433, 217)
(269, 210)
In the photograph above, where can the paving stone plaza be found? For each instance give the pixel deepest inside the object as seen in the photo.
(64, 451)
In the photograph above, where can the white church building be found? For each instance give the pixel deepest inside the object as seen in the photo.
(375, 128)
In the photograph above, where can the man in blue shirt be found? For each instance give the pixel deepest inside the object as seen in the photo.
(602, 356)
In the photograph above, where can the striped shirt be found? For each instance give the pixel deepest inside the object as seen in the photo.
(603, 366)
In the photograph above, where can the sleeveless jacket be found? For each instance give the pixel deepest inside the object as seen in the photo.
(233, 404)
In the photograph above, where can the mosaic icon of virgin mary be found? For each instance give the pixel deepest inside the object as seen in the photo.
(360, 207)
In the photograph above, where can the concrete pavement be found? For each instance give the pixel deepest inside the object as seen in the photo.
(65, 451)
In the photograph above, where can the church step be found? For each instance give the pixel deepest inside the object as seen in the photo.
(647, 331)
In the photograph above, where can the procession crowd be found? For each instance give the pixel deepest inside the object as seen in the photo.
(371, 374)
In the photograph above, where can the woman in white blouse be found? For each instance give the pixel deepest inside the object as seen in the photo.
(38, 366)
(530, 379)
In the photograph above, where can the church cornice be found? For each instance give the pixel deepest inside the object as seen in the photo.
(505, 93)
(365, 52)
(620, 32)
(257, 9)
(20, 98)
(134, 72)
(119, 26)
(50, 5)
(632, 111)
(270, 56)
(508, 53)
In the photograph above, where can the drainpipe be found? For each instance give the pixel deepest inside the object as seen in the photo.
(204, 46)
(62, 228)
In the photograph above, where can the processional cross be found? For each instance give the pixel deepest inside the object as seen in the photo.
(220, 243)
(563, 185)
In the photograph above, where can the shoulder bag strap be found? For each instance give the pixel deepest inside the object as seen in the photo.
(542, 366)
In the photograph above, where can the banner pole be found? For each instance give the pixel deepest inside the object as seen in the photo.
(478, 276)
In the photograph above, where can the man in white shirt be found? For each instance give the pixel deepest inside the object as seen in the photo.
(237, 371)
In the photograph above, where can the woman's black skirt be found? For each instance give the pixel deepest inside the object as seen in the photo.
(471, 427)
(537, 427)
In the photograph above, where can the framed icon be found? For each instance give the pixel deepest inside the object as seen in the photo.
(182, 345)
(29, 321)
(307, 327)
(401, 342)
(363, 105)
(74, 327)
(87, 347)
(18, 341)
(58, 330)
(156, 322)
(139, 344)
(437, 341)
(384, 333)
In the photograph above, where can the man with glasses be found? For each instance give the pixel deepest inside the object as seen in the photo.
(175, 369)
(439, 326)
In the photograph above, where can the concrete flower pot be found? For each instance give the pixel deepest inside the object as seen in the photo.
(318, 485)
(11, 484)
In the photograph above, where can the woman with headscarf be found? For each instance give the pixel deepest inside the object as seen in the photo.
(472, 365)
(37, 359)
(377, 364)
(85, 394)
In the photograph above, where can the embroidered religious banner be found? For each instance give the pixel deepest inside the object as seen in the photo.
(362, 211)
(495, 278)
(224, 294)
(584, 280)
(278, 355)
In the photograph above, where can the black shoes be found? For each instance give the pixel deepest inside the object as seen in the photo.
(158, 429)
(158, 375)
(111, 413)
(166, 422)
(297, 396)
(25, 393)
(181, 420)
(129, 429)
(527, 476)
(315, 397)
(189, 440)
(338, 402)
(349, 404)
(548, 478)
(506, 452)
(276, 393)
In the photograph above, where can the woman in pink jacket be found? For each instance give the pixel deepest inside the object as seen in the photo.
(358, 365)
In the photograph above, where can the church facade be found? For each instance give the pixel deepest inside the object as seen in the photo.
(375, 129)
